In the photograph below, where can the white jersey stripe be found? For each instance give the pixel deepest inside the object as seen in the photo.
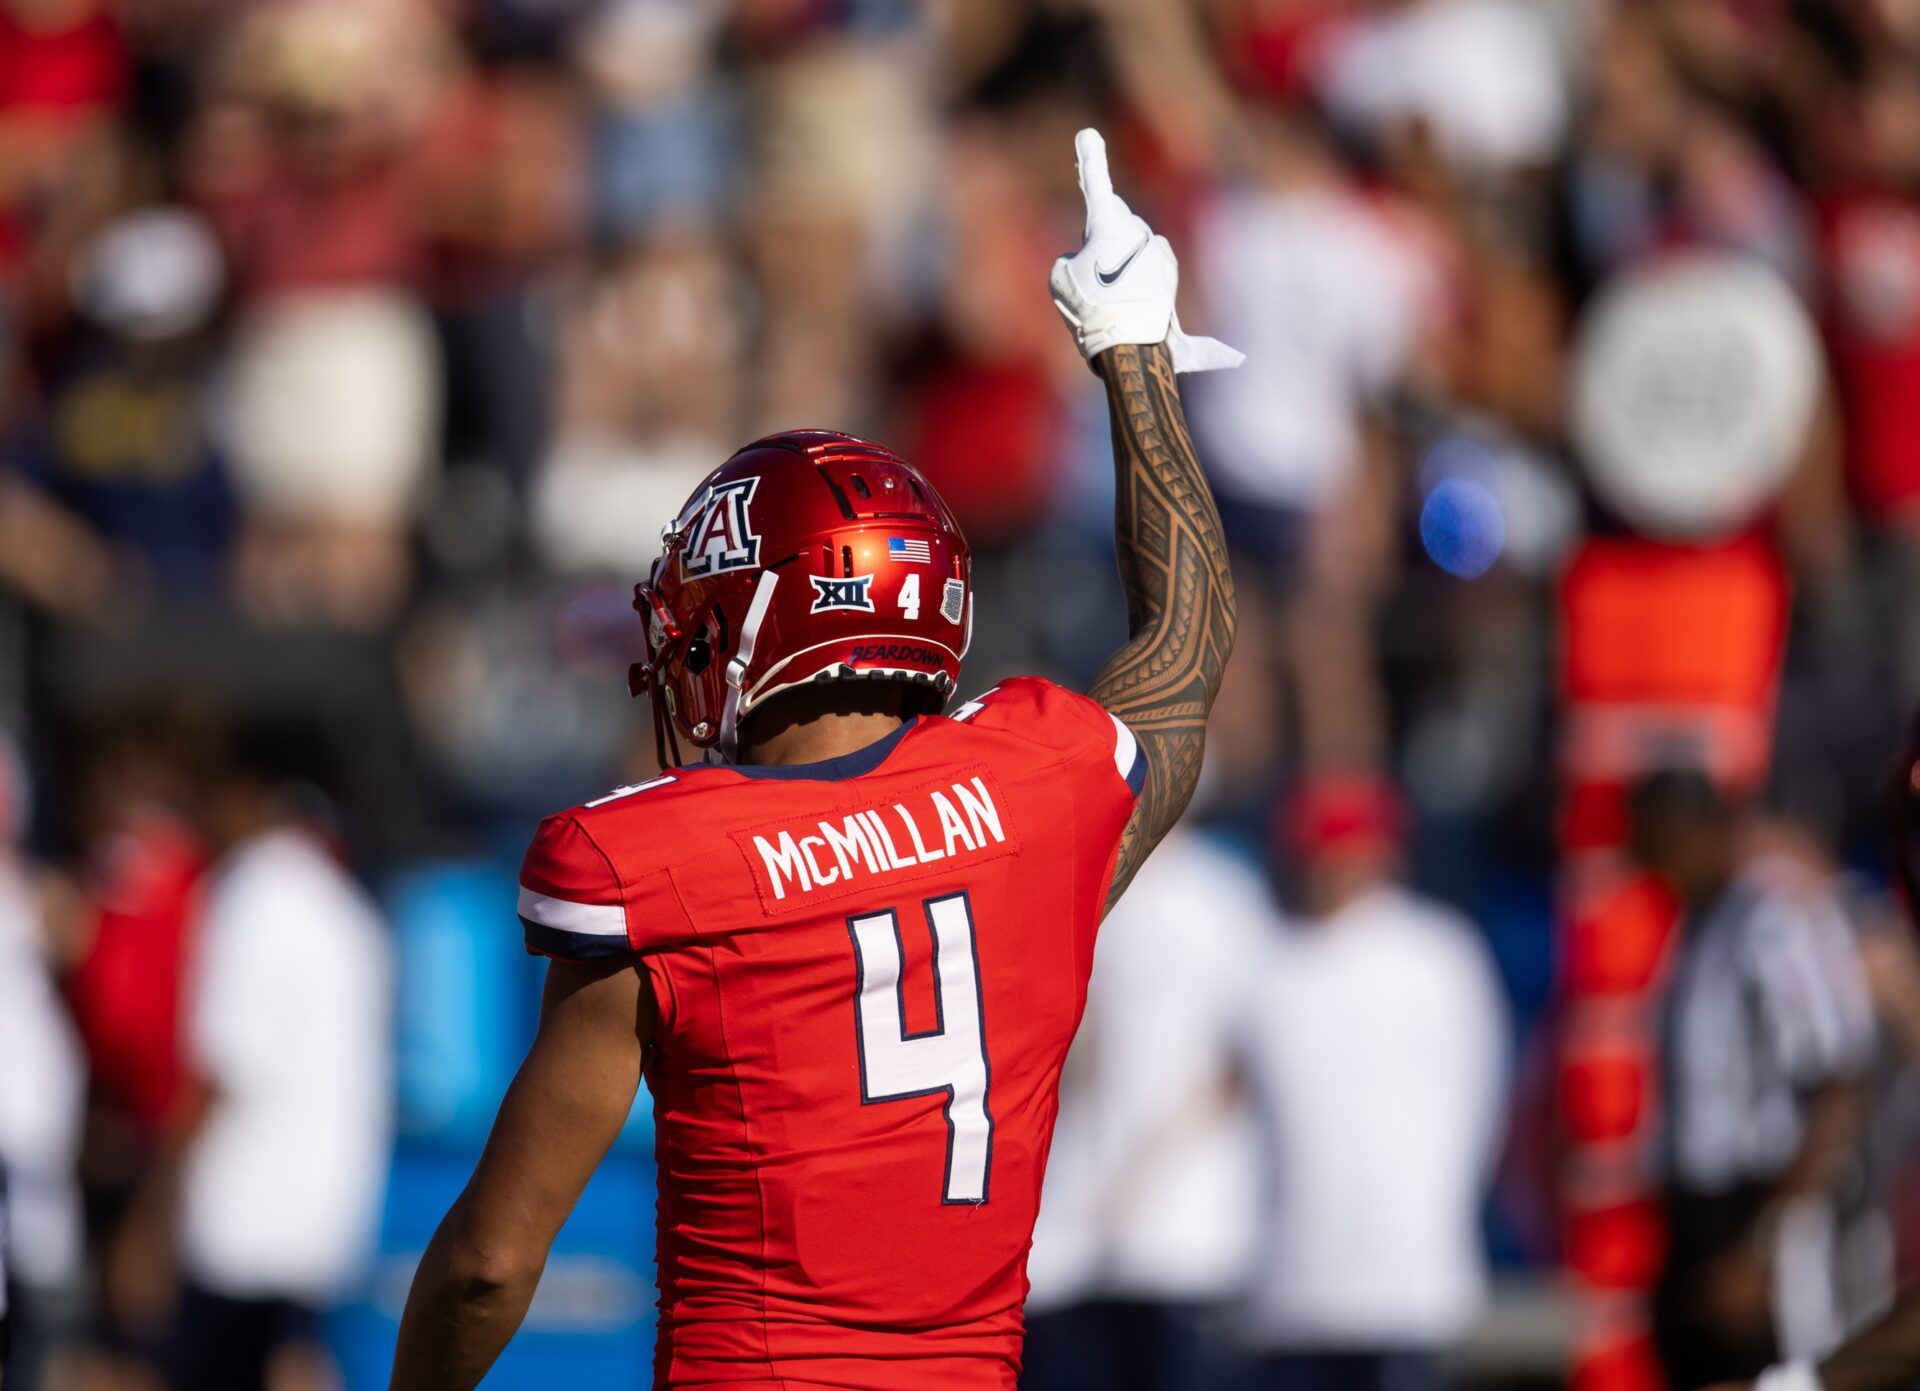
(974, 706)
(1126, 750)
(630, 789)
(587, 919)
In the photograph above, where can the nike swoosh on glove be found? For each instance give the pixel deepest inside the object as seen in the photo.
(1119, 287)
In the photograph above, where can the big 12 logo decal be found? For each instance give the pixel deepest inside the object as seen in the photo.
(721, 536)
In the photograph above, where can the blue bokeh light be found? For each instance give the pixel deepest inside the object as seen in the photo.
(1462, 527)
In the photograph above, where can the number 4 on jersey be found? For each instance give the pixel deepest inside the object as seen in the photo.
(951, 1057)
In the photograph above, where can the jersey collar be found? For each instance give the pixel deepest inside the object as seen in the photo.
(847, 765)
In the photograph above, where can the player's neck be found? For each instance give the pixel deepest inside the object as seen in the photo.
(813, 723)
(829, 736)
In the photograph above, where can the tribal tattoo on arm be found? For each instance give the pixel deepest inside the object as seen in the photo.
(1180, 610)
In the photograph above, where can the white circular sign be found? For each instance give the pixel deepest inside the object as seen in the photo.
(1694, 386)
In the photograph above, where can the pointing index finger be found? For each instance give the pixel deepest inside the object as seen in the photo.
(1096, 183)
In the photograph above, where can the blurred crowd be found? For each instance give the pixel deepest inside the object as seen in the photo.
(352, 352)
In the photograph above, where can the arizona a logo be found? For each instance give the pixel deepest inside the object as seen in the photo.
(850, 593)
(722, 537)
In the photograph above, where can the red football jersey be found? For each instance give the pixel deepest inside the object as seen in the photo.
(867, 973)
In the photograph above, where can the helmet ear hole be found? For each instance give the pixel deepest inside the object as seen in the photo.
(699, 654)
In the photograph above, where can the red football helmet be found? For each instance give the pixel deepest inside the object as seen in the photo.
(808, 556)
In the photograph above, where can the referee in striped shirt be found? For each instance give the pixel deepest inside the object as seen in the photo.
(1767, 1033)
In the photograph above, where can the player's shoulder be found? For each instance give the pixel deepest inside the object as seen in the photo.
(624, 832)
(587, 865)
(1048, 717)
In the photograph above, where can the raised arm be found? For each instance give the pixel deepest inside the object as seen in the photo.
(1180, 613)
(566, 1105)
(1117, 295)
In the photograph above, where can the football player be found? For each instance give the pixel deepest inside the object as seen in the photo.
(849, 950)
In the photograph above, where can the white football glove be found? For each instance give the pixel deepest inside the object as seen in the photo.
(1119, 287)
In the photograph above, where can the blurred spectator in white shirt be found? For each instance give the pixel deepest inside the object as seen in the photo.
(42, 1089)
(308, 161)
(1372, 1041)
(1145, 1227)
(283, 1167)
(1336, 294)
(1480, 78)
(1329, 293)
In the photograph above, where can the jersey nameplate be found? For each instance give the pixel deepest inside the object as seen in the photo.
(945, 825)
